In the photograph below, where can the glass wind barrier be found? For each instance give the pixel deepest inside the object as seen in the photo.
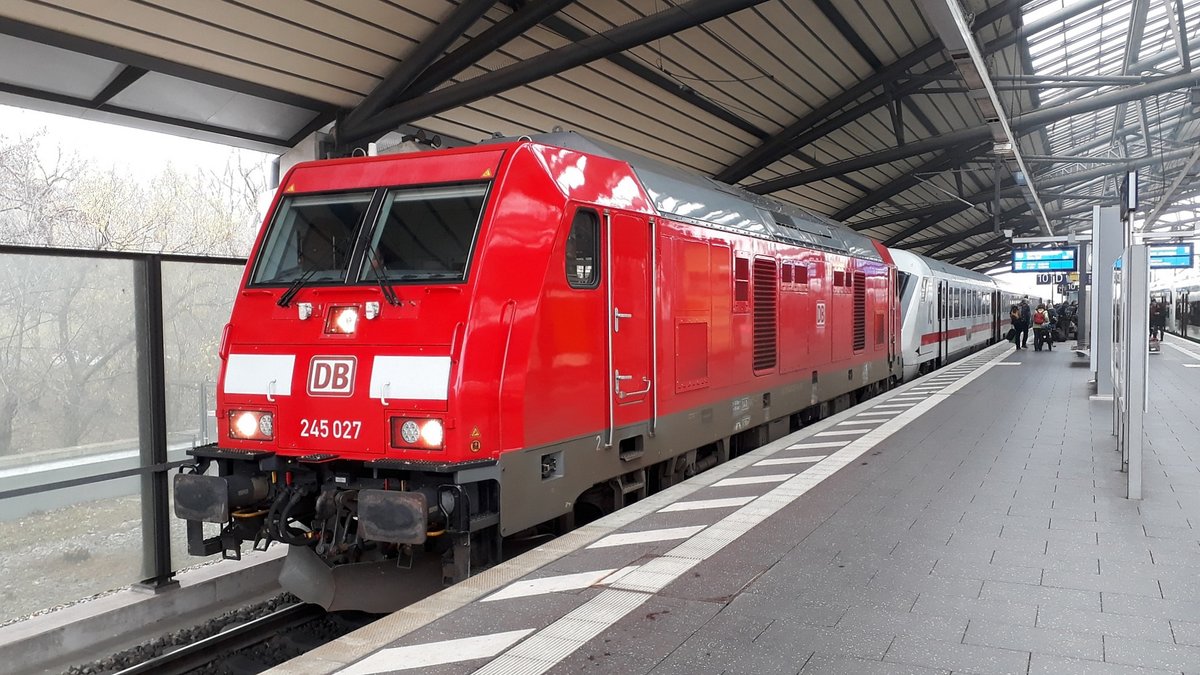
(73, 456)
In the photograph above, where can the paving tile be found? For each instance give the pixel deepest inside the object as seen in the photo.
(829, 664)
(1149, 654)
(1136, 584)
(957, 657)
(1045, 664)
(1140, 605)
(860, 642)
(988, 572)
(1041, 595)
(1186, 632)
(1040, 640)
(945, 628)
(1104, 623)
(996, 610)
(770, 607)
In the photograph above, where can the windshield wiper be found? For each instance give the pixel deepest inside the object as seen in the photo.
(385, 287)
(286, 299)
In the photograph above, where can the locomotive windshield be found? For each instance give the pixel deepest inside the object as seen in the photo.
(311, 237)
(425, 234)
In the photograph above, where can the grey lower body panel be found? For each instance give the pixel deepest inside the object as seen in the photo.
(529, 496)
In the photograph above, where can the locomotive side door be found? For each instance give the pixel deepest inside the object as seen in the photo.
(630, 318)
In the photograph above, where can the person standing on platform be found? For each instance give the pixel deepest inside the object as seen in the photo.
(1041, 328)
(1014, 321)
(1158, 320)
(1023, 327)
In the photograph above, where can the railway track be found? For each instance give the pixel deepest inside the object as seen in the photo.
(213, 649)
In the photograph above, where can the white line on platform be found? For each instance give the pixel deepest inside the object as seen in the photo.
(840, 432)
(1191, 365)
(554, 584)
(701, 504)
(436, 653)
(777, 461)
(848, 423)
(644, 536)
(886, 413)
(819, 444)
(1009, 363)
(752, 480)
(883, 406)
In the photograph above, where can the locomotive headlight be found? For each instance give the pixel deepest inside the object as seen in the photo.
(421, 434)
(246, 425)
(342, 320)
(431, 433)
(253, 425)
(266, 425)
(410, 432)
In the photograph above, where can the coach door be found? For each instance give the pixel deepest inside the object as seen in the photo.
(995, 316)
(631, 319)
(943, 320)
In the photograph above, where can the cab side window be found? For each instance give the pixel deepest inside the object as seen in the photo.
(583, 251)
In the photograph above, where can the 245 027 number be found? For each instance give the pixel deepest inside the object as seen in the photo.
(342, 429)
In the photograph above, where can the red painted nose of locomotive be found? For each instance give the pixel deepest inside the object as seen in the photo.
(339, 374)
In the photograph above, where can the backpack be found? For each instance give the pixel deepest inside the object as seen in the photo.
(1039, 317)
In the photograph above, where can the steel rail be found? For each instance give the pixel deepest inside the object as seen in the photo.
(209, 649)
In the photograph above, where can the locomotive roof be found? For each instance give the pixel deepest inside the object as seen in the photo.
(690, 197)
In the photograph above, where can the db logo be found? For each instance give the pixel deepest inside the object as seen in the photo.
(331, 375)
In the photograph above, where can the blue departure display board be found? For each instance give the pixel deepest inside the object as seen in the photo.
(1171, 256)
(1044, 259)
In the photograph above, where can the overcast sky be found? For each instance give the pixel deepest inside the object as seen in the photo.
(140, 153)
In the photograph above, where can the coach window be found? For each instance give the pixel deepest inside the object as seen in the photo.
(583, 251)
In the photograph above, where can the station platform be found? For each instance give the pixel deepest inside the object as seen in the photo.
(974, 520)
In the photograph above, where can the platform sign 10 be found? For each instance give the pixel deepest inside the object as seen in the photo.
(1044, 259)
(1171, 256)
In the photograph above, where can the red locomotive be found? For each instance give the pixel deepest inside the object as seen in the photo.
(434, 351)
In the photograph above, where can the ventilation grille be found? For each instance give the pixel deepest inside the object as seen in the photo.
(860, 311)
(764, 314)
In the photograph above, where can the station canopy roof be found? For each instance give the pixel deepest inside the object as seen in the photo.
(927, 124)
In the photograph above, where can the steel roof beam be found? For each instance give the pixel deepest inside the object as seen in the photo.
(1108, 170)
(1179, 31)
(949, 209)
(1166, 198)
(1137, 32)
(982, 248)
(523, 17)
(639, 32)
(426, 52)
(800, 133)
(851, 36)
(938, 164)
(661, 80)
(1025, 124)
(1075, 159)
(951, 25)
(932, 209)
